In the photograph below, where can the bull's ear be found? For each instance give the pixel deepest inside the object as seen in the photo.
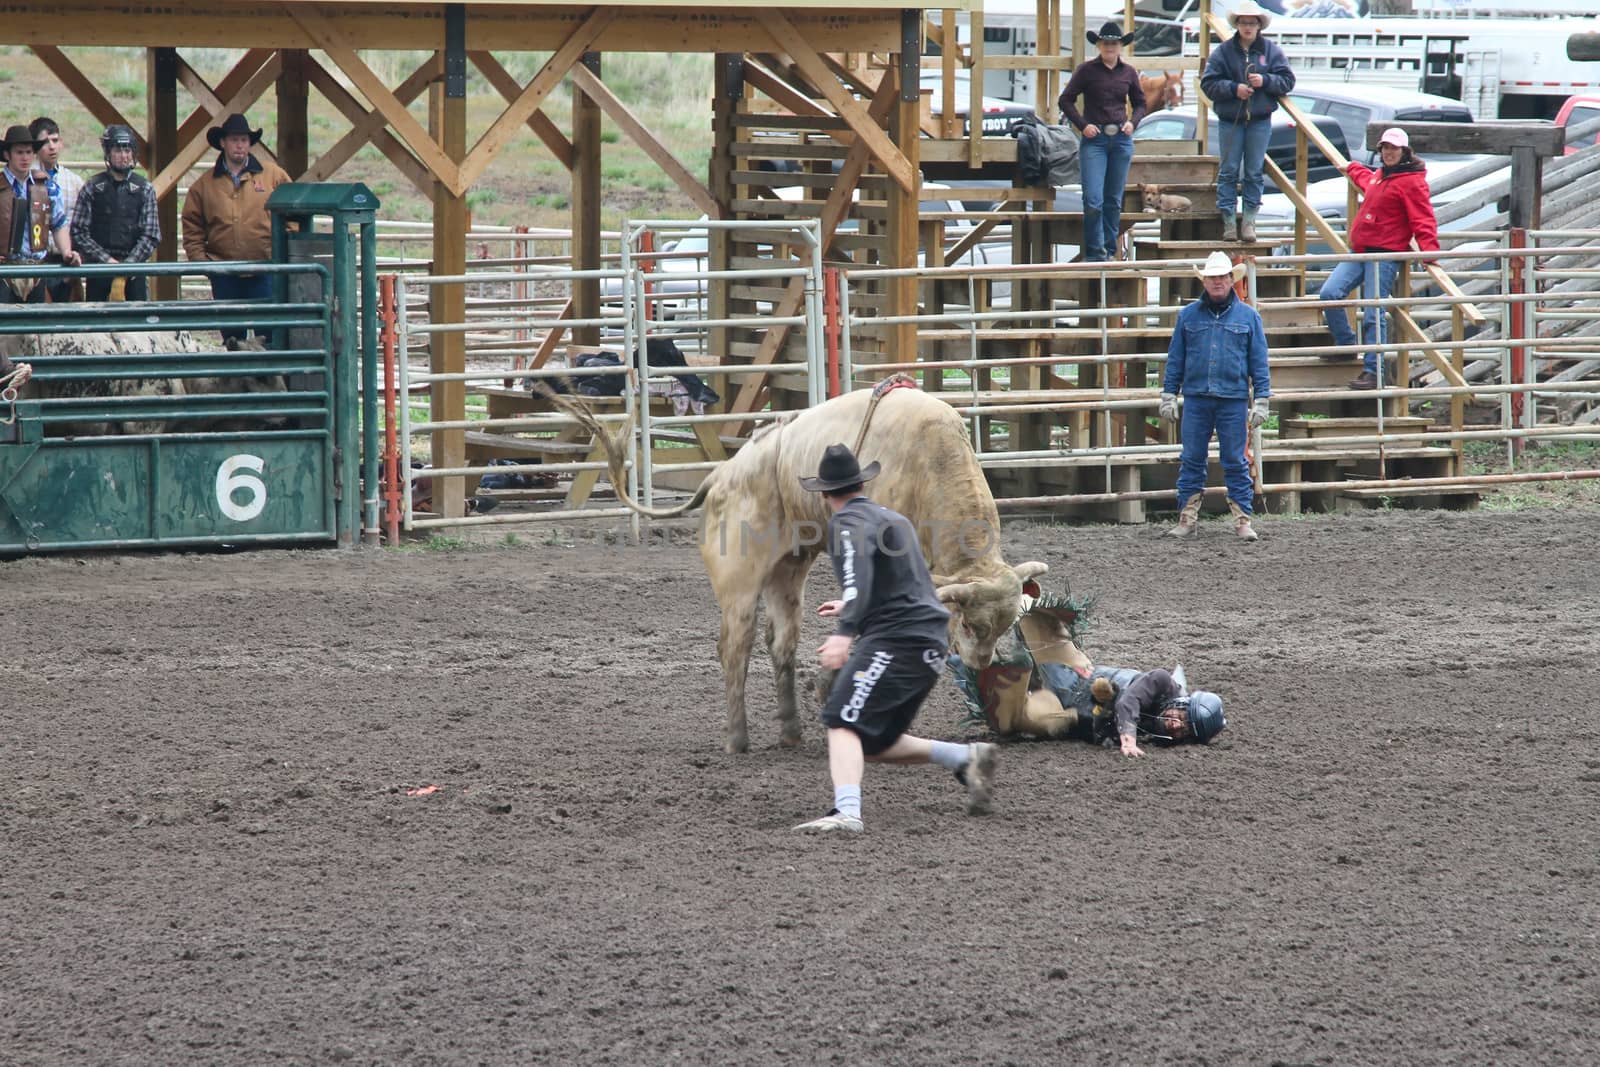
(957, 594)
(1025, 571)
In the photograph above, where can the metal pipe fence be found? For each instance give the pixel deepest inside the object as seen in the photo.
(1089, 367)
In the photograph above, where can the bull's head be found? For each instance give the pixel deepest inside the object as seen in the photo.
(984, 610)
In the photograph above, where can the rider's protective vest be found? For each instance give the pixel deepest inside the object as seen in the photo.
(26, 221)
(114, 222)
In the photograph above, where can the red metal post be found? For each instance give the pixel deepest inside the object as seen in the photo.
(391, 438)
(647, 264)
(1519, 327)
(831, 325)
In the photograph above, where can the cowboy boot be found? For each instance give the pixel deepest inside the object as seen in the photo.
(1188, 518)
(1230, 226)
(1247, 225)
(1241, 522)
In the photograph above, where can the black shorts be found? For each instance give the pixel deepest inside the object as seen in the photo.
(880, 690)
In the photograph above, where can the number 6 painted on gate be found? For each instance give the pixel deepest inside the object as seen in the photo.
(229, 482)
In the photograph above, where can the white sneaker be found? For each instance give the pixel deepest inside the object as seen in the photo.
(831, 822)
(980, 777)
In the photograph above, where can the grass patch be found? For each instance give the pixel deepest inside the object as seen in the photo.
(6, 75)
(1545, 457)
(126, 89)
(481, 197)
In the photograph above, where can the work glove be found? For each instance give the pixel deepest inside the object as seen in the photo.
(1259, 412)
(1169, 407)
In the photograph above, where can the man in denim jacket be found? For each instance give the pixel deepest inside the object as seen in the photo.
(1218, 352)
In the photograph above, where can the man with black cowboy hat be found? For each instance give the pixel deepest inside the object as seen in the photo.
(890, 638)
(1113, 104)
(225, 216)
(29, 217)
(116, 220)
(1217, 358)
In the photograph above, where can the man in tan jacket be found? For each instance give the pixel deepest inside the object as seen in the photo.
(225, 216)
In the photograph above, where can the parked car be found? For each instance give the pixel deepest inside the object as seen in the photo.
(1577, 111)
(1178, 124)
(998, 114)
(1353, 106)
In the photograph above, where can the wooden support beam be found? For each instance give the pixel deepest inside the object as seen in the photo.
(196, 145)
(586, 207)
(659, 153)
(447, 304)
(982, 229)
(507, 86)
(215, 107)
(329, 38)
(902, 224)
(728, 101)
(818, 72)
(519, 110)
(552, 339)
(294, 142)
(1493, 137)
(784, 94)
(87, 94)
(238, 76)
(161, 135)
(370, 126)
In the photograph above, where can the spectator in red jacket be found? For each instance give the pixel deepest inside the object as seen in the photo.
(1396, 208)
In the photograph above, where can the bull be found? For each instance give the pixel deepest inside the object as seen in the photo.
(761, 533)
(140, 344)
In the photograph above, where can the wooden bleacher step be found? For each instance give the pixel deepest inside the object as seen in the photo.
(1311, 431)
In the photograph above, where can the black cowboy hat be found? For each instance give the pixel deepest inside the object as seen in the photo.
(19, 135)
(234, 123)
(838, 469)
(1112, 30)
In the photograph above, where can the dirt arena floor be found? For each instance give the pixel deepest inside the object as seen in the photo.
(211, 855)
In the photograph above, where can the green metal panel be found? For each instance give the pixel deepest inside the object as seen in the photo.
(232, 464)
(166, 489)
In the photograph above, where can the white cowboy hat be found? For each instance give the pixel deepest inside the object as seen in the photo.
(1220, 263)
(1251, 8)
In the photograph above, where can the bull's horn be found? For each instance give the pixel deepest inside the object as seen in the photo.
(1024, 571)
(960, 593)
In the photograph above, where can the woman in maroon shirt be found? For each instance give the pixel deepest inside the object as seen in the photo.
(1113, 104)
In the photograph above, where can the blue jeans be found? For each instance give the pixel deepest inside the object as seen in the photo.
(1244, 154)
(1228, 418)
(240, 287)
(1346, 277)
(1103, 161)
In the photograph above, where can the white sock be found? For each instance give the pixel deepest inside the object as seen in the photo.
(950, 754)
(847, 800)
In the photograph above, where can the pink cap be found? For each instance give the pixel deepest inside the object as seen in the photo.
(1395, 136)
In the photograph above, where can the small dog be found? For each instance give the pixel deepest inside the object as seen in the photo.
(1160, 203)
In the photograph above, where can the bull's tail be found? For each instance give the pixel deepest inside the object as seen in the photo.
(616, 449)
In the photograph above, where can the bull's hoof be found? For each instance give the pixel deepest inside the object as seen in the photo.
(788, 740)
(736, 745)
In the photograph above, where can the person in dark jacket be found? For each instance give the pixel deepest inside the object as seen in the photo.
(1113, 105)
(1218, 355)
(1396, 209)
(116, 220)
(890, 637)
(1244, 77)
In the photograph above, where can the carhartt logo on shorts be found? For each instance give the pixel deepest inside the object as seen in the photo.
(865, 680)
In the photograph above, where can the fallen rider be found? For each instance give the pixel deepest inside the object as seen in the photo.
(1048, 688)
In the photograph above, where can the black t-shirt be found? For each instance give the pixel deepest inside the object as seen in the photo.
(887, 590)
